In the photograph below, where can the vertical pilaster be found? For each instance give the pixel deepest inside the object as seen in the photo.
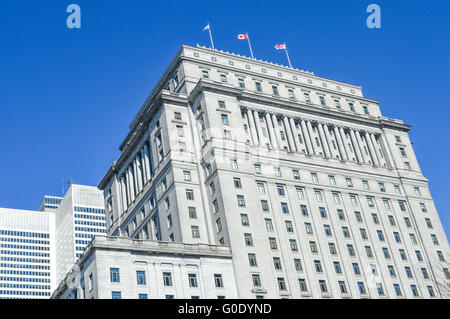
(342, 135)
(294, 134)
(371, 150)
(288, 134)
(339, 142)
(325, 146)
(270, 128)
(309, 148)
(355, 146)
(251, 122)
(310, 130)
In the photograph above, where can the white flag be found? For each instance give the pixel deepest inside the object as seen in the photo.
(206, 28)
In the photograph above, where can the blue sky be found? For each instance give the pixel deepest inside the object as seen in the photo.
(67, 96)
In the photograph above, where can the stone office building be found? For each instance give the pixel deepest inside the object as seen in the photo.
(125, 268)
(316, 192)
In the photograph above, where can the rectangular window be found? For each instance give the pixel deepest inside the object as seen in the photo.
(187, 176)
(291, 93)
(322, 100)
(298, 264)
(281, 284)
(307, 98)
(256, 280)
(275, 90)
(244, 220)
(323, 286)
(116, 295)
(140, 276)
(114, 274)
(189, 194)
(277, 263)
(302, 284)
(193, 280)
(248, 239)
(269, 225)
(252, 260)
(223, 78)
(273, 243)
(264, 205)
(218, 280)
(240, 201)
(167, 279)
(195, 232)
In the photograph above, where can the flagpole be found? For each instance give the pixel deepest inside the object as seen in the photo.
(287, 55)
(210, 36)
(249, 45)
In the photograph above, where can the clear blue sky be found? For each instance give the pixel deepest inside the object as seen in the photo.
(67, 96)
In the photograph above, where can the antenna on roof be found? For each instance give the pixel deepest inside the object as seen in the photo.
(66, 184)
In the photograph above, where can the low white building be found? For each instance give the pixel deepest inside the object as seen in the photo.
(124, 268)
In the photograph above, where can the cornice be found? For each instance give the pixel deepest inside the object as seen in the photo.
(293, 105)
(283, 80)
(275, 66)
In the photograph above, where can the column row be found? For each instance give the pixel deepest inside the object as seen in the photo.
(317, 138)
(136, 175)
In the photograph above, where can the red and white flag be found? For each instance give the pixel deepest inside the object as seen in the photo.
(280, 46)
(242, 36)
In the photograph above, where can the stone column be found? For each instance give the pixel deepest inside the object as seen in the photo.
(325, 146)
(139, 172)
(339, 142)
(135, 176)
(271, 131)
(385, 147)
(276, 129)
(144, 167)
(251, 122)
(356, 146)
(309, 148)
(288, 133)
(294, 134)
(258, 127)
(361, 145)
(347, 150)
(310, 130)
(123, 188)
(377, 151)
(131, 183)
(372, 150)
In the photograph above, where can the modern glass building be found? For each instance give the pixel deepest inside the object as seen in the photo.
(26, 264)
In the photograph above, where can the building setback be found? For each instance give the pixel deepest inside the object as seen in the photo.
(124, 268)
(316, 192)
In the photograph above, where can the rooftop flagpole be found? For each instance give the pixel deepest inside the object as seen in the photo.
(208, 27)
(243, 36)
(287, 55)
(249, 45)
(283, 47)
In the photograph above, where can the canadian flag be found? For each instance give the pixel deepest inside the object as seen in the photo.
(280, 46)
(242, 36)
